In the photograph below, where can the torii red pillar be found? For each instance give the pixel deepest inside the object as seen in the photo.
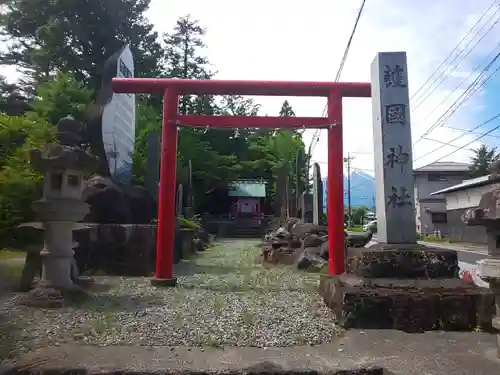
(173, 88)
(166, 203)
(335, 184)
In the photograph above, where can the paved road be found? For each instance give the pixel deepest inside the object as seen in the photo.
(466, 253)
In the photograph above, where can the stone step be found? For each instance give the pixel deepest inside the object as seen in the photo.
(408, 305)
(402, 263)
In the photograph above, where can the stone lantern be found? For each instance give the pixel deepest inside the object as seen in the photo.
(63, 165)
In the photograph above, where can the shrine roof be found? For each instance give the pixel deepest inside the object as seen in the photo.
(247, 188)
(468, 184)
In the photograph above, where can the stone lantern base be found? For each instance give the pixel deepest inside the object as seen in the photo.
(45, 295)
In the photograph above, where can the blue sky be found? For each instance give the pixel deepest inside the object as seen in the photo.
(304, 40)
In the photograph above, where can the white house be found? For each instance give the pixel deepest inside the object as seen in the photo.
(460, 198)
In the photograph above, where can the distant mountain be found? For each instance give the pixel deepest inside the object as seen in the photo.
(362, 190)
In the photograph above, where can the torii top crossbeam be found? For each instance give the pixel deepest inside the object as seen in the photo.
(222, 87)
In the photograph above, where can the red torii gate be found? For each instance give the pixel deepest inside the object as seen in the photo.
(173, 88)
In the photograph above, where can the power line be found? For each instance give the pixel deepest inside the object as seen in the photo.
(419, 102)
(454, 49)
(471, 142)
(460, 62)
(441, 142)
(341, 66)
(471, 132)
(461, 99)
(453, 140)
(464, 80)
(348, 47)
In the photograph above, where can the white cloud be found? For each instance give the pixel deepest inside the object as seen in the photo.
(305, 40)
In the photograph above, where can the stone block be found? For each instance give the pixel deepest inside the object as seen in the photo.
(408, 305)
(117, 249)
(187, 236)
(403, 263)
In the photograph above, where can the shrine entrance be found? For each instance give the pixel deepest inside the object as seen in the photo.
(173, 88)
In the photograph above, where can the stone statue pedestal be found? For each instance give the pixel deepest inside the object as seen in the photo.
(406, 287)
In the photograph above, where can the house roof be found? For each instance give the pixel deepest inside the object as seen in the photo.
(443, 166)
(249, 188)
(468, 184)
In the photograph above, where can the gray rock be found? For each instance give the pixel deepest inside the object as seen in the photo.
(310, 260)
(323, 250)
(359, 239)
(301, 230)
(295, 243)
(312, 240)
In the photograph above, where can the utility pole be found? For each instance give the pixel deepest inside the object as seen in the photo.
(373, 203)
(349, 211)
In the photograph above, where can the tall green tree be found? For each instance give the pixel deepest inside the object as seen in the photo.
(19, 184)
(76, 37)
(286, 109)
(358, 214)
(484, 155)
(297, 157)
(13, 101)
(183, 59)
(59, 97)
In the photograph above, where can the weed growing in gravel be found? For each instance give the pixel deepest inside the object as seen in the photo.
(179, 294)
(179, 316)
(219, 305)
(248, 318)
(301, 339)
(104, 323)
(9, 332)
(211, 341)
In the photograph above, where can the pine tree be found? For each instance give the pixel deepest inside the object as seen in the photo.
(76, 37)
(13, 101)
(286, 109)
(182, 60)
(480, 162)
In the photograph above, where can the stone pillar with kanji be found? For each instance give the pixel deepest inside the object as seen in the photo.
(395, 200)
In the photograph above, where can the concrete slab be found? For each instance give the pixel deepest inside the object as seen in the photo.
(432, 353)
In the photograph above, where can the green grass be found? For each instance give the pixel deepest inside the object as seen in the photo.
(231, 267)
(356, 228)
(11, 272)
(434, 239)
(10, 254)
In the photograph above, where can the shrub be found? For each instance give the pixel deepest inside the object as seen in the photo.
(189, 224)
(20, 185)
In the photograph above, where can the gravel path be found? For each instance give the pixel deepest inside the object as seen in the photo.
(223, 299)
